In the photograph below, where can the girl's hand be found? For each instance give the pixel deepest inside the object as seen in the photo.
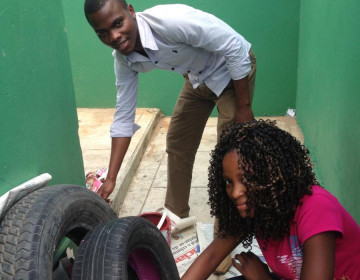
(251, 266)
(205, 264)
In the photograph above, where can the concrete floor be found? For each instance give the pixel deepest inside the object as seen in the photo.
(141, 184)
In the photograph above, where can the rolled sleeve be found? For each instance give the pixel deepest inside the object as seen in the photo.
(239, 64)
(123, 129)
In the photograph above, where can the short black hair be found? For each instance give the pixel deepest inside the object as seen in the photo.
(277, 172)
(92, 6)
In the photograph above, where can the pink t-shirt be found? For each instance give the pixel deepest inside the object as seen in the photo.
(320, 212)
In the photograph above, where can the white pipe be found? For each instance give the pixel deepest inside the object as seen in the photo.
(14, 195)
(159, 225)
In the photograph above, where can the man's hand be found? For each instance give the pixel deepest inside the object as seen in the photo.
(106, 189)
(119, 146)
(251, 266)
(245, 114)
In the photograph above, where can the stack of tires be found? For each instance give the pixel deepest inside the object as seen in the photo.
(72, 228)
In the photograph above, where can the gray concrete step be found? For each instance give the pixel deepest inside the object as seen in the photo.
(95, 141)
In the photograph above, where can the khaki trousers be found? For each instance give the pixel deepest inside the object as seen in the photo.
(192, 110)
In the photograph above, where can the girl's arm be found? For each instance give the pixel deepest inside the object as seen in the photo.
(205, 264)
(319, 257)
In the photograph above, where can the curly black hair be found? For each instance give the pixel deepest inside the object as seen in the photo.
(277, 172)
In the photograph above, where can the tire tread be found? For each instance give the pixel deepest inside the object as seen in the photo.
(22, 229)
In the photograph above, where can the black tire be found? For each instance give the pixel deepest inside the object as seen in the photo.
(33, 228)
(105, 251)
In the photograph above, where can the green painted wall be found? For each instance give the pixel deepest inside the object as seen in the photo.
(38, 113)
(328, 97)
(271, 26)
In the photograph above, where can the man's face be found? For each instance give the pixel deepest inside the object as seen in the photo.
(116, 27)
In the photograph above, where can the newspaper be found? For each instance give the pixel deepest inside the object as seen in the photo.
(205, 237)
(184, 247)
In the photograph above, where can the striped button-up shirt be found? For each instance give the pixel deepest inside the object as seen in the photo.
(182, 39)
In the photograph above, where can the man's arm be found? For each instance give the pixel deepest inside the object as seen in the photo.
(123, 126)
(205, 264)
(119, 147)
(243, 104)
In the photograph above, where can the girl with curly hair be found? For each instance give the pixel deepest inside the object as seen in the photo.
(262, 185)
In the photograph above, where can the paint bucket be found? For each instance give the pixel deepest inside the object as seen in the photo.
(155, 218)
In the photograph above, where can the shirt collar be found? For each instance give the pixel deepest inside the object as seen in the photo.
(147, 40)
(146, 35)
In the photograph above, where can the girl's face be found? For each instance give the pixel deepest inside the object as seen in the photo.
(235, 189)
